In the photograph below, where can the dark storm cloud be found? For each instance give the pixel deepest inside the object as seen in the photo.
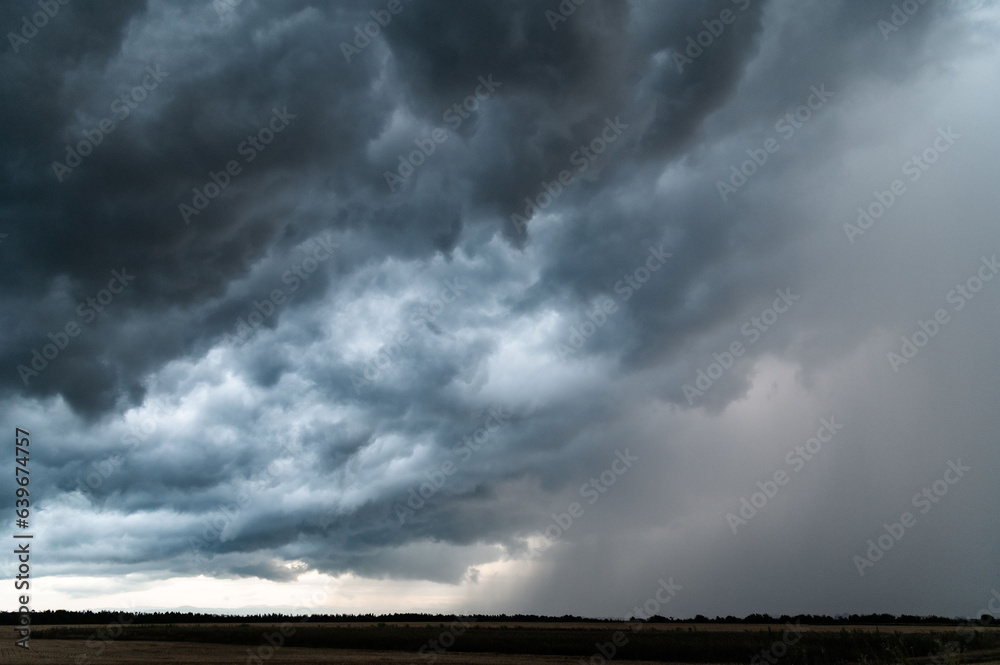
(367, 374)
(119, 207)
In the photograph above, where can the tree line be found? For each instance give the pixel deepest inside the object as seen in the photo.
(66, 617)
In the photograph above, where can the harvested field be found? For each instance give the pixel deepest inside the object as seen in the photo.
(65, 652)
(427, 643)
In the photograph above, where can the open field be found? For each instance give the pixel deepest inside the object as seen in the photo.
(69, 652)
(497, 643)
(65, 652)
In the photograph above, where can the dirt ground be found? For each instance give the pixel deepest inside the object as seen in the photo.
(73, 652)
(78, 652)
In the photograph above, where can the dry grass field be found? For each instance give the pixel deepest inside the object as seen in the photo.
(697, 627)
(65, 652)
(498, 643)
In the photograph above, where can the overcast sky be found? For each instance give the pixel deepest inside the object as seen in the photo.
(504, 306)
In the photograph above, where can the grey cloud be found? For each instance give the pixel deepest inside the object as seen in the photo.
(278, 442)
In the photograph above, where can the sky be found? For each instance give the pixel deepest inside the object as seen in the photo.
(506, 306)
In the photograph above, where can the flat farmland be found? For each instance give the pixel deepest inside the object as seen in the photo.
(500, 642)
(66, 652)
(693, 627)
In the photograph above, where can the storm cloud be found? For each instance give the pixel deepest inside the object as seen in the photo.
(569, 292)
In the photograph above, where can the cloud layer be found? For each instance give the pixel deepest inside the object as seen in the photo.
(385, 288)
